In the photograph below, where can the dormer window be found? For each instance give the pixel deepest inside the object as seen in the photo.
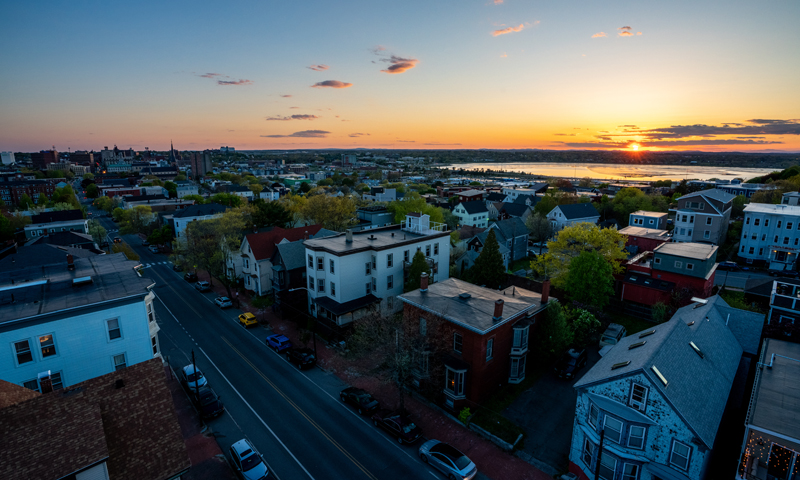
(638, 398)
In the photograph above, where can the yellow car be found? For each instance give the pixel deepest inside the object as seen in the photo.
(247, 319)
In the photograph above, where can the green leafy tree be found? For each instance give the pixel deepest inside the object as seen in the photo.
(540, 228)
(413, 202)
(738, 203)
(554, 334)
(228, 199)
(97, 231)
(161, 235)
(334, 213)
(574, 239)
(304, 187)
(92, 191)
(41, 200)
(590, 279)
(199, 200)
(138, 219)
(489, 269)
(584, 327)
(172, 189)
(546, 205)
(88, 176)
(256, 189)
(270, 214)
(418, 266)
(6, 230)
(25, 202)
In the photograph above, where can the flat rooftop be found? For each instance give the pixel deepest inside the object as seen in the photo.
(645, 232)
(36, 281)
(373, 239)
(770, 208)
(776, 405)
(697, 251)
(472, 306)
(643, 213)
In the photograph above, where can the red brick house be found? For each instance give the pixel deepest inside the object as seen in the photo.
(487, 331)
(644, 239)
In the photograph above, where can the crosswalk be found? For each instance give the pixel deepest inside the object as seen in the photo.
(146, 265)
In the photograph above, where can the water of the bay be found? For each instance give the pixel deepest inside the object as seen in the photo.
(607, 171)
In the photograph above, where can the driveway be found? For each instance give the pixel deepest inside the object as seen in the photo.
(546, 412)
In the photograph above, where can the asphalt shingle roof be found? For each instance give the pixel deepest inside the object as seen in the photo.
(477, 206)
(578, 210)
(514, 209)
(200, 210)
(511, 227)
(714, 193)
(263, 244)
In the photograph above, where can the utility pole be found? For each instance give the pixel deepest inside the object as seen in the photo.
(197, 382)
(599, 454)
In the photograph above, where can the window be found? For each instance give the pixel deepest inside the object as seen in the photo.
(369, 268)
(779, 223)
(690, 266)
(454, 382)
(786, 240)
(114, 332)
(766, 222)
(374, 285)
(763, 237)
(389, 282)
(751, 250)
(320, 284)
(753, 237)
(689, 232)
(427, 250)
(154, 343)
(517, 369)
(246, 263)
(150, 315)
(761, 250)
(630, 471)
(594, 413)
(436, 249)
(47, 345)
(333, 289)
(489, 348)
(405, 256)
(389, 260)
(320, 263)
(747, 221)
(788, 225)
(311, 283)
(310, 261)
(608, 465)
(708, 221)
(333, 270)
(369, 288)
(707, 234)
(119, 361)
(520, 339)
(636, 437)
(684, 218)
(679, 456)
(374, 263)
(691, 219)
(678, 264)
(423, 326)
(23, 349)
(32, 385)
(658, 261)
(458, 344)
(613, 428)
(638, 398)
(776, 239)
(588, 452)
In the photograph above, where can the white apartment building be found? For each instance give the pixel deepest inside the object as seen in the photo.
(703, 217)
(771, 234)
(72, 319)
(7, 158)
(354, 273)
(182, 218)
(473, 214)
(566, 215)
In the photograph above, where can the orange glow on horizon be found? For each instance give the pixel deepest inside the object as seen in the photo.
(635, 147)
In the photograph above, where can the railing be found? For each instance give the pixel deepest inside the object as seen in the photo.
(422, 227)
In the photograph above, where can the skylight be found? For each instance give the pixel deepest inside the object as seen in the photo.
(690, 323)
(658, 374)
(647, 334)
(636, 345)
(696, 349)
(620, 365)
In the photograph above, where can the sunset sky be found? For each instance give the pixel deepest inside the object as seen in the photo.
(692, 75)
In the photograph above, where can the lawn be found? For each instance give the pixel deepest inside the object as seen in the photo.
(521, 264)
(631, 324)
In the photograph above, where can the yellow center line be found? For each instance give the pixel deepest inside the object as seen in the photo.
(301, 412)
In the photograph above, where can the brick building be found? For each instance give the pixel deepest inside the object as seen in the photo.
(644, 239)
(42, 159)
(11, 192)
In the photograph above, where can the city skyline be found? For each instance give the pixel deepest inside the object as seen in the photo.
(499, 74)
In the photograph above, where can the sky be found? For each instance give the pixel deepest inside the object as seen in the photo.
(504, 74)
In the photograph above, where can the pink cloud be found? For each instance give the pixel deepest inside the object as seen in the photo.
(234, 82)
(294, 117)
(506, 30)
(303, 134)
(319, 68)
(286, 96)
(399, 64)
(211, 75)
(359, 134)
(332, 84)
(625, 32)
(599, 35)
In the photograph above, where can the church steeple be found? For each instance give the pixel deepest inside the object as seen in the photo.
(171, 152)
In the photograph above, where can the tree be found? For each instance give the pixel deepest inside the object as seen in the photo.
(296, 206)
(540, 227)
(136, 220)
(228, 199)
(199, 200)
(573, 240)
(6, 230)
(88, 176)
(334, 213)
(92, 191)
(97, 231)
(450, 219)
(590, 279)
(629, 200)
(418, 266)
(172, 189)
(554, 333)
(584, 327)
(586, 182)
(270, 214)
(489, 269)
(256, 189)
(25, 202)
(304, 187)
(413, 202)
(161, 235)
(738, 203)
(546, 205)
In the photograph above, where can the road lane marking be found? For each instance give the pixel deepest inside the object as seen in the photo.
(303, 413)
(272, 470)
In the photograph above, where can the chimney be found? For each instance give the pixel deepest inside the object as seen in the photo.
(423, 282)
(498, 310)
(349, 234)
(545, 291)
(70, 262)
(305, 235)
(45, 382)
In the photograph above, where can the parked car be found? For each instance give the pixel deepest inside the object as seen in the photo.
(572, 361)
(223, 302)
(190, 276)
(202, 286)
(104, 245)
(192, 377)
(153, 248)
(207, 402)
(145, 243)
(613, 334)
(363, 401)
(177, 267)
(278, 342)
(247, 319)
(302, 357)
(783, 273)
(398, 424)
(248, 463)
(447, 459)
(731, 266)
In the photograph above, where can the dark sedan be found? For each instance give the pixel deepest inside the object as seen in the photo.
(398, 424)
(570, 363)
(302, 357)
(363, 401)
(190, 277)
(207, 402)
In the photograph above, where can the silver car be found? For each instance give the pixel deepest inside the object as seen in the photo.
(447, 460)
(193, 377)
(223, 302)
(247, 462)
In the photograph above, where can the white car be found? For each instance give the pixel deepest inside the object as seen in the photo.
(447, 459)
(153, 248)
(247, 462)
(223, 302)
(193, 377)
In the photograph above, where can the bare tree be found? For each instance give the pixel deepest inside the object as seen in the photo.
(540, 228)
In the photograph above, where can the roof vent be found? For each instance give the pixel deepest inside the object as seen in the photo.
(658, 374)
(696, 349)
(690, 323)
(77, 282)
(464, 296)
(647, 334)
(636, 345)
(620, 365)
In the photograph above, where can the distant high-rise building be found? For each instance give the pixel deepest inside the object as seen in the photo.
(82, 158)
(201, 163)
(42, 159)
(349, 159)
(227, 149)
(7, 158)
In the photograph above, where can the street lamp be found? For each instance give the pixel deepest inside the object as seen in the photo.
(314, 330)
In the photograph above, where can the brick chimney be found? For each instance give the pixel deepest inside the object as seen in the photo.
(45, 382)
(498, 310)
(349, 236)
(545, 291)
(423, 282)
(70, 262)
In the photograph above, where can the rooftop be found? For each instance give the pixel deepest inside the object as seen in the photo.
(697, 251)
(578, 210)
(60, 216)
(470, 193)
(475, 206)
(643, 213)
(35, 281)
(471, 306)
(715, 193)
(771, 208)
(201, 210)
(776, 393)
(645, 232)
(372, 239)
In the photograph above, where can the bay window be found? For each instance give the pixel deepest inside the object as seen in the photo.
(454, 382)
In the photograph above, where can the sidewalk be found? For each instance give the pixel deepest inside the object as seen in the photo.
(491, 461)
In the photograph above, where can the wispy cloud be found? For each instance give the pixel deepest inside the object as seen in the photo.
(359, 135)
(331, 84)
(407, 141)
(294, 117)
(625, 32)
(599, 35)
(507, 30)
(497, 2)
(400, 64)
(318, 68)
(442, 144)
(504, 55)
(211, 75)
(293, 108)
(564, 134)
(303, 134)
(286, 96)
(239, 82)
